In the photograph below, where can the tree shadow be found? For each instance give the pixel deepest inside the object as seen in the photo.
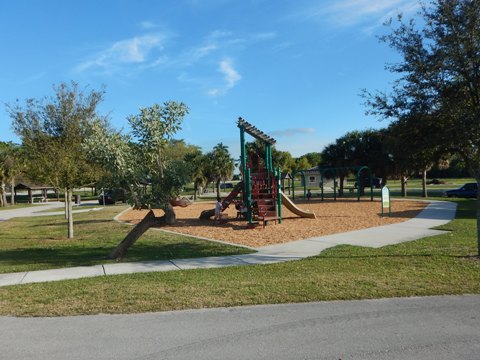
(79, 222)
(43, 258)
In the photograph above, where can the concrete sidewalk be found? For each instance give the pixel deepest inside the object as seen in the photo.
(435, 214)
(44, 209)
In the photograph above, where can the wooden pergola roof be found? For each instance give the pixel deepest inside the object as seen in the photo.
(256, 133)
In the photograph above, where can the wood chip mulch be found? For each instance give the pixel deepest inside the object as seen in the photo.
(332, 217)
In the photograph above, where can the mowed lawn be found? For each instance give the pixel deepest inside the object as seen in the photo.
(444, 264)
(39, 243)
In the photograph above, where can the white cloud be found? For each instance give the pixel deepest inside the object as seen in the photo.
(219, 34)
(353, 12)
(282, 46)
(230, 76)
(264, 36)
(215, 92)
(204, 51)
(130, 51)
(147, 25)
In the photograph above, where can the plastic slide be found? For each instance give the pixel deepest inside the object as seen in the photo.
(296, 210)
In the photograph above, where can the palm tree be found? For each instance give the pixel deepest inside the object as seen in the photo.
(222, 165)
(199, 175)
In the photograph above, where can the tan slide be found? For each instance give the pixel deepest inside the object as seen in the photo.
(293, 208)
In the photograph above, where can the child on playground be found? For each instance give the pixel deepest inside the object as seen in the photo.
(241, 210)
(309, 195)
(218, 209)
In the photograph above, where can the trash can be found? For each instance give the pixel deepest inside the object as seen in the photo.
(77, 199)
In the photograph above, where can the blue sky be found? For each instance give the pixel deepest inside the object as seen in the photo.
(294, 69)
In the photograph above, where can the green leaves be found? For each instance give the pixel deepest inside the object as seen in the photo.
(139, 161)
(157, 124)
(52, 131)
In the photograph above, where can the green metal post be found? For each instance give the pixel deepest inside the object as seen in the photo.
(248, 195)
(267, 164)
(268, 158)
(243, 162)
(293, 185)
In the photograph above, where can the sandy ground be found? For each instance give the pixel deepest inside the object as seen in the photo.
(332, 217)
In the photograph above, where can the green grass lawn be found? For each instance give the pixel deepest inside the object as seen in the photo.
(39, 243)
(444, 264)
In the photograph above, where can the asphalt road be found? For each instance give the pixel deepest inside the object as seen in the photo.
(407, 328)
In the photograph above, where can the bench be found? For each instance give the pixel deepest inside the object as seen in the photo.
(39, 199)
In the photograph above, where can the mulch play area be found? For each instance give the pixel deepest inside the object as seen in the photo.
(332, 217)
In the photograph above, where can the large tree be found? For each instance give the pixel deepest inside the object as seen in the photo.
(142, 157)
(439, 74)
(413, 149)
(52, 131)
(358, 148)
(313, 158)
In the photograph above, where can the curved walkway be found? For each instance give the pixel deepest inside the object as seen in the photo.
(435, 214)
(43, 209)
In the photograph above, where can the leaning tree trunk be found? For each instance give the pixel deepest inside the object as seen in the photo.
(119, 252)
(170, 216)
(148, 221)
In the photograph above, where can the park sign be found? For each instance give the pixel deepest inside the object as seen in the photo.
(385, 200)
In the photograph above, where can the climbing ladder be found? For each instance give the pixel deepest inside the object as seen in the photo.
(264, 197)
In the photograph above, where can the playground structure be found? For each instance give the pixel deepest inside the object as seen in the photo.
(335, 172)
(260, 189)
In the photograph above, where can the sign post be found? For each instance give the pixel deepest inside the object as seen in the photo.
(386, 200)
